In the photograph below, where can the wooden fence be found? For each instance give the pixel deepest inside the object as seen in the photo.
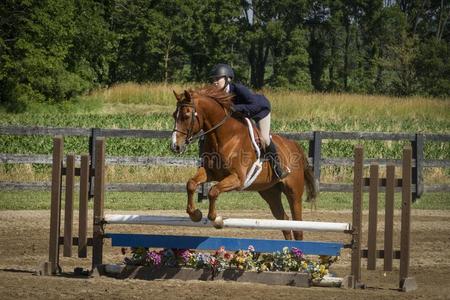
(316, 160)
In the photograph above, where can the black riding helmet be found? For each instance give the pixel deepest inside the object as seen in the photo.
(221, 70)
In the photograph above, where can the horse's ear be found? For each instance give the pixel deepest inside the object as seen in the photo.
(178, 96)
(187, 96)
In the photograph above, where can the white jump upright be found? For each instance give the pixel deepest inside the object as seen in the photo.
(229, 223)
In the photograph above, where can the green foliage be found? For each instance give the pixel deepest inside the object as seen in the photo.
(214, 35)
(93, 44)
(432, 65)
(46, 49)
(51, 51)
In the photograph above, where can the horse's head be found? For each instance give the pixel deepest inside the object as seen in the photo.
(193, 109)
(186, 122)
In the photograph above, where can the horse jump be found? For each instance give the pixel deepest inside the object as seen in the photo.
(353, 280)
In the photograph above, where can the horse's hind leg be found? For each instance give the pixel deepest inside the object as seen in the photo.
(273, 198)
(294, 197)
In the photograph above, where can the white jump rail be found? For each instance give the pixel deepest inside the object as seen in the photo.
(229, 223)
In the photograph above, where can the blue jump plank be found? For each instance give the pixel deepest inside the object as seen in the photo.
(214, 243)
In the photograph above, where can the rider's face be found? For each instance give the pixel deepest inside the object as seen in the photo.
(220, 82)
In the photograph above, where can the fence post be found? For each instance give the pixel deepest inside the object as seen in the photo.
(68, 208)
(389, 217)
(406, 283)
(99, 198)
(95, 132)
(55, 211)
(203, 193)
(315, 152)
(354, 280)
(373, 215)
(417, 176)
(83, 206)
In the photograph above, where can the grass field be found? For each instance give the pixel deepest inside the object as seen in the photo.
(149, 106)
(31, 200)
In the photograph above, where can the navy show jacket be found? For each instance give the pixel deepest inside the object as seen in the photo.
(254, 106)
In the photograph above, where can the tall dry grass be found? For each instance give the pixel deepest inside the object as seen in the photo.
(286, 105)
(333, 106)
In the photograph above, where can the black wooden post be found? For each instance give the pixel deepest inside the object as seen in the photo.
(203, 193)
(95, 132)
(315, 152)
(417, 175)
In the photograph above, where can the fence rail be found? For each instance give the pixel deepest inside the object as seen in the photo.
(8, 158)
(144, 133)
(315, 156)
(181, 187)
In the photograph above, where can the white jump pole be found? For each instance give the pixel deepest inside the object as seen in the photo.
(230, 223)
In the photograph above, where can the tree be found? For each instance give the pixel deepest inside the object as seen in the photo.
(258, 17)
(432, 65)
(52, 50)
(288, 41)
(38, 37)
(317, 22)
(94, 44)
(214, 37)
(56, 50)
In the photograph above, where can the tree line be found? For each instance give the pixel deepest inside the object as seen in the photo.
(52, 50)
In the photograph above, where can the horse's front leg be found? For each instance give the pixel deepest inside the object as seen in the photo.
(191, 186)
(229, 183)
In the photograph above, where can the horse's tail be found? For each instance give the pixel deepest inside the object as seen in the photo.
(312, 187)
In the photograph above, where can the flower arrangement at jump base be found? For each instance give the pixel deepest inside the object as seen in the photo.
(287, 260)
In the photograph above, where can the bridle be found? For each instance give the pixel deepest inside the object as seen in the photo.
(190, 137)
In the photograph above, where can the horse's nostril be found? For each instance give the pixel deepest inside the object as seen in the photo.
(176, 148)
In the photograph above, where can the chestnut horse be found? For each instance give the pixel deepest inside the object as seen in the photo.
(229, 154)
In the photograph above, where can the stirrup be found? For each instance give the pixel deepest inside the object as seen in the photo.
(284, 173)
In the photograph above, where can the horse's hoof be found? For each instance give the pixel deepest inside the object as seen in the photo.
(218, 222)
(196, 216)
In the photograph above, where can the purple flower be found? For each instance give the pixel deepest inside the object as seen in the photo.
(184, 255)
(297, 252)
(154, 258)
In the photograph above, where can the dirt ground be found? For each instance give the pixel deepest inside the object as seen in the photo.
(24, 244)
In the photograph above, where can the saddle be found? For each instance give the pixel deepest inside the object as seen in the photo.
(252, 126)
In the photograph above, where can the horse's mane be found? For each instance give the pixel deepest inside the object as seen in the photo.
(219, 95)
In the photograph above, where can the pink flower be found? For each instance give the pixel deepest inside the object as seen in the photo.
(220, 251)
(213, 261)
(228, 256)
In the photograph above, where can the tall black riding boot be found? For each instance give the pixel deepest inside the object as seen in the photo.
(272, 155)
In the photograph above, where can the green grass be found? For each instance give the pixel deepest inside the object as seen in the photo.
(32, 200)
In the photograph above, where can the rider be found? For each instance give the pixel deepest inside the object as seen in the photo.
(253, 106)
